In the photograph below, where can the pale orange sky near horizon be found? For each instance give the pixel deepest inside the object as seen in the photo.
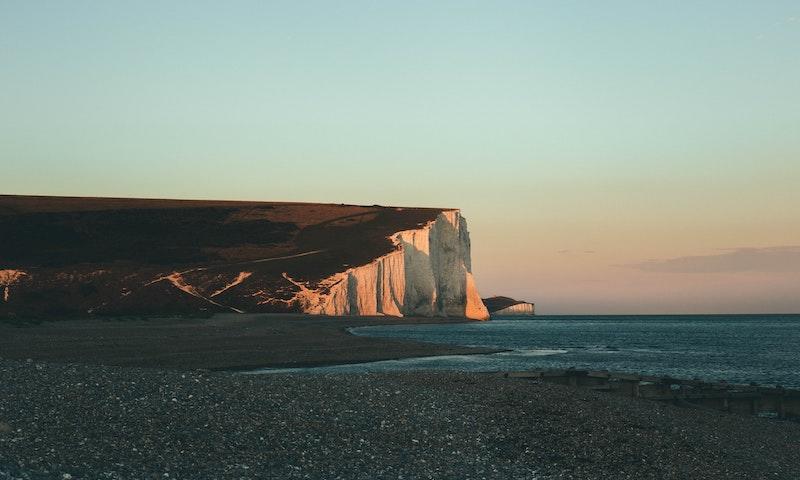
(587, 256)
(614, 157)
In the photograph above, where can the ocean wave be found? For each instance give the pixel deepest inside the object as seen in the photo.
(535, 352)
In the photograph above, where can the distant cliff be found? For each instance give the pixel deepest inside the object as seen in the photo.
(508, 306)
(63, 255)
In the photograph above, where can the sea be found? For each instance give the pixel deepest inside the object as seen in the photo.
(761, 349)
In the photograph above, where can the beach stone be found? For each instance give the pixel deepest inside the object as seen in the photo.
(121, 423)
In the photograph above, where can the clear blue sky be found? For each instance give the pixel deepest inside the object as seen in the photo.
(633, 130)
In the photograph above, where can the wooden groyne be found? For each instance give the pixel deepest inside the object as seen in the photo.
(769, 402)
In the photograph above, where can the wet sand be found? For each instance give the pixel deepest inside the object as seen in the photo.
(223, 342)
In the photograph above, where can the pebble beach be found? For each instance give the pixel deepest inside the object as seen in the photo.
(71, 421)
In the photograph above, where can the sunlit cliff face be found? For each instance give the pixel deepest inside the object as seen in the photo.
(429, 274)
(9, 278)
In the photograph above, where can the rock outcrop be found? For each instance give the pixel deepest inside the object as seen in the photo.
(508, 306)
(127, 256)
(8, 278)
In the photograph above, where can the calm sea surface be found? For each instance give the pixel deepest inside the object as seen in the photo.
(738, 348)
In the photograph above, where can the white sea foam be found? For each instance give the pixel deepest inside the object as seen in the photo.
(536, 352)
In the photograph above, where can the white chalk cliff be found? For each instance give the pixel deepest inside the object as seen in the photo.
(523, 308)
(117, 256)
(428, 274)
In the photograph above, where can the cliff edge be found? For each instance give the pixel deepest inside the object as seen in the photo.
(69, 255)
(508, 306)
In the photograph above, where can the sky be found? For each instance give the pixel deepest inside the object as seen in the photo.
(610, 157)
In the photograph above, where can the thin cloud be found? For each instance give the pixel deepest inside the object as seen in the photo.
(750, 259)
(788, 21)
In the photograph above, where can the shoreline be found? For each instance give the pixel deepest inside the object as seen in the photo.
(65, 412)
(224, 342)
(252, 369)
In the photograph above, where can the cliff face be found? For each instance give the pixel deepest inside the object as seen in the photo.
(508, 306)
(428, 274)
(518, 309)
(8, 278)
(124, 256)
